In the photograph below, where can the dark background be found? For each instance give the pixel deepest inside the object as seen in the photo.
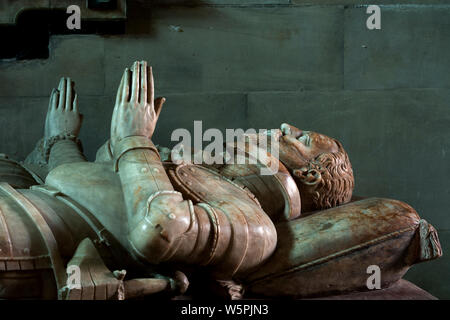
(239, 64)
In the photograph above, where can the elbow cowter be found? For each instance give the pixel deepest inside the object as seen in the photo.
(156, 236)
(228, 238)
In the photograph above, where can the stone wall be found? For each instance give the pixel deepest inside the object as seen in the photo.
(257, 63)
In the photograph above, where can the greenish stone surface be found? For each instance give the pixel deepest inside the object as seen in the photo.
(263, 64)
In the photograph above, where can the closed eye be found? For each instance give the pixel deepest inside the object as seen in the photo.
(305, 139)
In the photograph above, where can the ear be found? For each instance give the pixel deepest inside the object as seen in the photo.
(310, 177)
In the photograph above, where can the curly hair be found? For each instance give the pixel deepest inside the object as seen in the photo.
(337, 183)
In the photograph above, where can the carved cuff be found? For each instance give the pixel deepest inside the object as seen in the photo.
(49, 143)
(131, 143)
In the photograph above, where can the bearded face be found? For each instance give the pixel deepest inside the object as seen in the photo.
(299, 147)
(320, 166)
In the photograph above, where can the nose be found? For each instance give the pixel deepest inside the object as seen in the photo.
(287, 129)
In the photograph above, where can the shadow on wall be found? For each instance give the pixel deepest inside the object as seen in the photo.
(29, 37)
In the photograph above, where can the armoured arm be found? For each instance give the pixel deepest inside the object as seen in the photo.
(158, 217)
(65, 151)
(233, 234)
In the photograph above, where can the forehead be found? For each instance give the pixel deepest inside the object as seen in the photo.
(319, 137)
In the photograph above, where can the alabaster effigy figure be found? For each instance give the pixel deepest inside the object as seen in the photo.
(136, 225)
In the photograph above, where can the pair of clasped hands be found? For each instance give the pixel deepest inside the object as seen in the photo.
(135, 113)
(136, 110)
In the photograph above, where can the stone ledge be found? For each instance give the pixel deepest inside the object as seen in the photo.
(248, 3)
(401, 290)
